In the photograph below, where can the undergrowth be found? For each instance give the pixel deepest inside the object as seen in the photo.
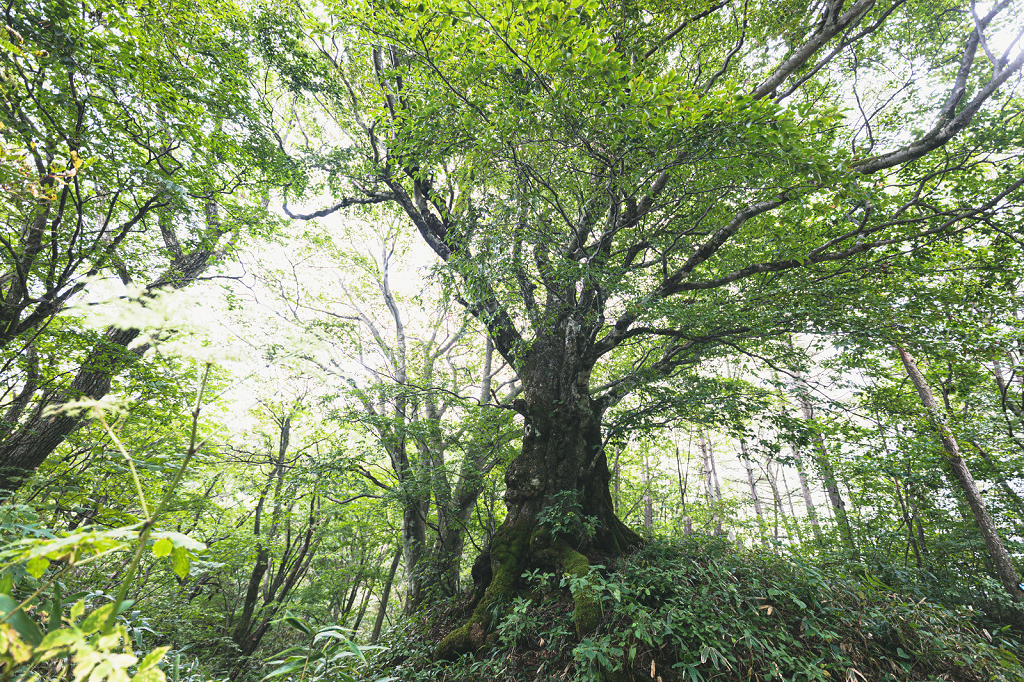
(698, 609)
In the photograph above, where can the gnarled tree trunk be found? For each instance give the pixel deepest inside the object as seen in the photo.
(562, 459)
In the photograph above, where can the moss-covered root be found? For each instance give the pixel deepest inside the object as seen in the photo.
(508, 552)
(587, 611)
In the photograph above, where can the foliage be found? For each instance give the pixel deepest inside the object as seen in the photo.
(564, 516)
(658, 206)
(697, 609)
(336, 658)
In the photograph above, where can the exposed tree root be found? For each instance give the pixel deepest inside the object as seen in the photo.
(508, 557)
(587, 604)
(497, 573)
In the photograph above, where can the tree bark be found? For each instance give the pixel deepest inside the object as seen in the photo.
(776, 498)
(829, 477)
(754, 497)
(379, 622)
(648, 501)
(792, 510)
(714, 490)
(805, 490)
(1005, 569)
(562, 457)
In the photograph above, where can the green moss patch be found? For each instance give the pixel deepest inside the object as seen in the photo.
(508, 554)
(586, 602)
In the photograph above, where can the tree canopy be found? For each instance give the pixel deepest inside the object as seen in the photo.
(529, 294)
(620, 192)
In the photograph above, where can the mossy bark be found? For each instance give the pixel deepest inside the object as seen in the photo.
(563, 452)
(507, 559)
(586, 602)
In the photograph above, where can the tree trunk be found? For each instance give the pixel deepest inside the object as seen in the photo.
(909, 522)
(682, 481)
(792, 510)
(615, 474)
(714, 490)
(562, 465)
(379, 622)
(997, 551)
(648, 501)
(829, 478)
(454, 507)
(717, 487)
(776, 498)
(754, 497)
(363, 603)
(805, 489)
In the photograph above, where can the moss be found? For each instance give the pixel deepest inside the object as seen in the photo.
(508, 553)
(587, 612)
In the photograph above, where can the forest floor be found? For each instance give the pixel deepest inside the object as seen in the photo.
(700, 609)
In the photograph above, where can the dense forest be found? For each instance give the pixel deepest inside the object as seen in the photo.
(511, 339)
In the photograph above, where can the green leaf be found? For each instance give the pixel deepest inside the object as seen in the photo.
(56, 609)
(298, 624)
(95, 620)
(77, 610)
(59, 638)
(180, 562)
(287, 669)
(150, 675)
(19, 620)
(36, 566)
(153, 657)
(162, 547)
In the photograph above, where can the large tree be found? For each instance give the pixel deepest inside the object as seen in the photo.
(621, 190)
(130, 146)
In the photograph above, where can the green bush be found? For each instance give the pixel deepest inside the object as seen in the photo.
(698, 609)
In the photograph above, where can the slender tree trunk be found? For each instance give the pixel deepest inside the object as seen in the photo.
(805, 489)
(379, 622)
(829, 478)
(777, 499)
(363, 603)
(711, 477)
(909, 522)
(1005, 569)
(682, 484)
(754, 497)
(648, 502)
(1010, 494)
(244, 634)
(792, 509)
(615, 474)
(357, 580)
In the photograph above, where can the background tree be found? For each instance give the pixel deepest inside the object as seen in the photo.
(130, 149)
(411, 376)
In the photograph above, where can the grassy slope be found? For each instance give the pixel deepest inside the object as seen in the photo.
(698, 609)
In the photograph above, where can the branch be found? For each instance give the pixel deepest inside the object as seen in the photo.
(827, 31)
(377, 198)
(948, 124)
(686, 22)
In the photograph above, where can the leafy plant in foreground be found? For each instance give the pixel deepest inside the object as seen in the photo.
(97, 646)
(337, 658)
